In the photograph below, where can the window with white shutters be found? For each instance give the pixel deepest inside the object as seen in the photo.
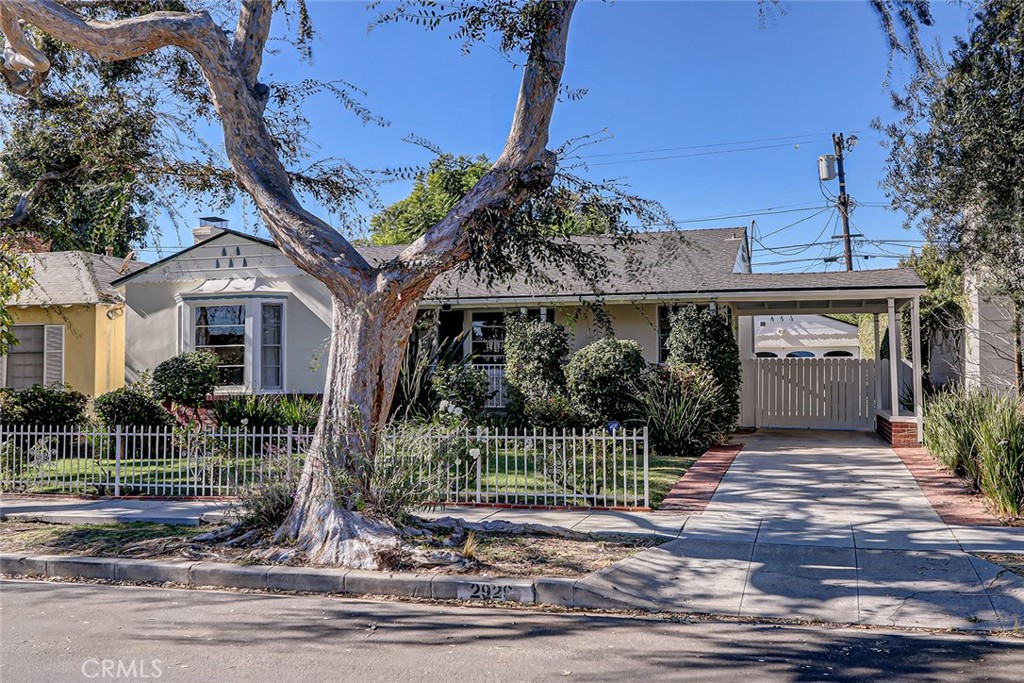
(36, 358)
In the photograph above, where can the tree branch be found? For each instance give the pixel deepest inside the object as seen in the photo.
(24, 207)
(309, 242)
(524, 166)
(251, 35)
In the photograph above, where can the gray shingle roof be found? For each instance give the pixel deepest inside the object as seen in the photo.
(672, 260)
(63, 278)
(670, 263)
(683, 262)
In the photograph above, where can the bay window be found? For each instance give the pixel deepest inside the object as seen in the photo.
(247, 335)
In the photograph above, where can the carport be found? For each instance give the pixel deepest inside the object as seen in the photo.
(833, 393)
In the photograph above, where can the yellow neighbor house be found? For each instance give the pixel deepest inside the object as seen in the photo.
(69, 324)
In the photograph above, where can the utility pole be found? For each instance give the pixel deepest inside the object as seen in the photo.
(839, 143)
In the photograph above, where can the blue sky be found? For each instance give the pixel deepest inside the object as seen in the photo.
(659, 75)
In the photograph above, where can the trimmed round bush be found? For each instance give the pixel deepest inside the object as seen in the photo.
(536, 353)
(601, 376)
(704, 337)
(57, 405)
(463, 386)
(682, 409)
(251, 411)
(187, 378)
(130, 406)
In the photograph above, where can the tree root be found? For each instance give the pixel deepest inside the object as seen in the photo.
(458, 528)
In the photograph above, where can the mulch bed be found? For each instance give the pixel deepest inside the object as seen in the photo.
(946, 493)
(695, 488)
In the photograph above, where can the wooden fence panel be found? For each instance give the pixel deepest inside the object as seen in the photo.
(809, 393)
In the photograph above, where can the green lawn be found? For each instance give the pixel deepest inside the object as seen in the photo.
(664, 473)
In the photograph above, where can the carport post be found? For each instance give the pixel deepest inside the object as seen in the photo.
(894, 359)
(878, 363)
(915, 326)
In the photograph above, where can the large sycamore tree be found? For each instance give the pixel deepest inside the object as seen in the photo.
(374, 306)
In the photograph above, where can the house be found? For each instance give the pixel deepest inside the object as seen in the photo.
(238, 296)
(805, 336)
(982, 355)
(69, 324)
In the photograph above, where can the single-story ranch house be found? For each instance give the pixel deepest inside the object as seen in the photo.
(238, 296)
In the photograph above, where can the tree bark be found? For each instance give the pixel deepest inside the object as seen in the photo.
(368, 343)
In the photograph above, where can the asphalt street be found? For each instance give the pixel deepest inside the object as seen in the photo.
(79, 632)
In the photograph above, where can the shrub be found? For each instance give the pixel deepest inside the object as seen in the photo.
(704, 337)
(252, 411)
(52, 405)
(601, 376)
(1000, 447)
(11, 411)
(536, 354)
(980, 437)
(950, 422)
(414, 394)
(682, 409)
(299, 411)
(133, 405)
(552, 412)
(399, 480)
(266, 505)
(187, 378)
(463, 386)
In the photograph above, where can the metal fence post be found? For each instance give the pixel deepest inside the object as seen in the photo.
(290, 457)
(117, 461)
(647, 478)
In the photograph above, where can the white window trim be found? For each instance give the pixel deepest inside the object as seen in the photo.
(252, 375)
(258, 335)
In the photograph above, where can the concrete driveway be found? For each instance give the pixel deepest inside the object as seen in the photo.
(824, 526)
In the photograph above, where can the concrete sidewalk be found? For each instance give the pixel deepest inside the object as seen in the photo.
(68, 510)
(828, 526)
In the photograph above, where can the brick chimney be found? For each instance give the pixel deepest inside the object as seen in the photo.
(208, 227)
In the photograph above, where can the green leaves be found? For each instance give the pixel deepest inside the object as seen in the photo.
(957, 152)
(15, 276)
(704, 338)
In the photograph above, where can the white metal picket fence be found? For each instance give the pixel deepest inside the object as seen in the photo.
(532, 467)
(589, 468)
(146, 461)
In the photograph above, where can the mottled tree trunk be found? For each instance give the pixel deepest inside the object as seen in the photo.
(368, 343)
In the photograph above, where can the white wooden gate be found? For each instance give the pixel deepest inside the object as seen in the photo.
(810, 393)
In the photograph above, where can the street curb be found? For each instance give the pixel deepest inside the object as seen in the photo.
(544, 590)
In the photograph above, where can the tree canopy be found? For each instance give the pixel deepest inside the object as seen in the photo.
(957, 151)
(559, 212)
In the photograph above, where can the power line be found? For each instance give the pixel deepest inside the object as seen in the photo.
(695, 154)
(792, 138)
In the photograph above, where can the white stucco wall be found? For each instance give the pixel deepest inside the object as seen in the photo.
(988, 344)
(154, 300)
